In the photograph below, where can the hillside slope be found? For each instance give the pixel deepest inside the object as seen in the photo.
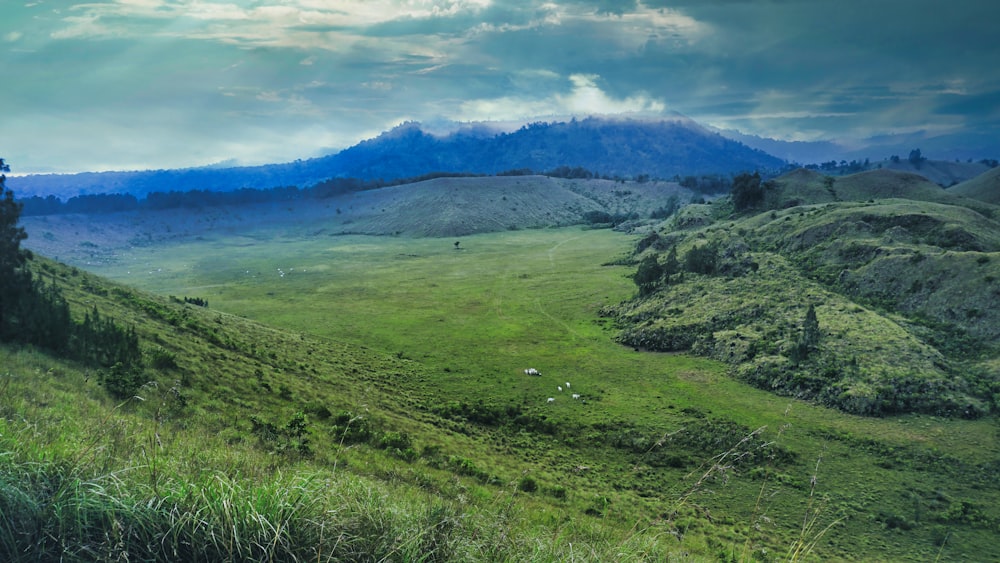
(944, 173)
(444, 207)
(899, 287)
(985, 187)
(804, 187)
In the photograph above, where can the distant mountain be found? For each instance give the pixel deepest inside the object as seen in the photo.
(609, 147)
(953, 147)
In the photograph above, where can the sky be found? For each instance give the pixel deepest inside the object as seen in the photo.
(148, 84)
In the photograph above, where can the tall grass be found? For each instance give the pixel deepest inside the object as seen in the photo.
(95, 491)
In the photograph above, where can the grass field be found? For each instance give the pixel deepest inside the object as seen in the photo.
(474, 317)
(422, 344)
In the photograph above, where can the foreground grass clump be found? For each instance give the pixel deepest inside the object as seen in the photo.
(104, 489)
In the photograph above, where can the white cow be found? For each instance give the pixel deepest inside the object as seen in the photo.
(551, 400)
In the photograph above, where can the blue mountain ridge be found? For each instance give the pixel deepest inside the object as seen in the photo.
(609, 147)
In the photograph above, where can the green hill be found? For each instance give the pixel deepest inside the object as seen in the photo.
(900, 288)
(985, 187)
(804, 187)
(941, 172)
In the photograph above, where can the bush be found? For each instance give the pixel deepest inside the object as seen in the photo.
(527, 484)
(648, 275)
(703, 259)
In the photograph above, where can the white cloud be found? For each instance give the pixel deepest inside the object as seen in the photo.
(13, 36)
(585, 97)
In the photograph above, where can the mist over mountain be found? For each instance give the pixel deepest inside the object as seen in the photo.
(609, 147)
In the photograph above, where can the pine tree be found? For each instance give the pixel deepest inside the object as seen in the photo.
(15, 280)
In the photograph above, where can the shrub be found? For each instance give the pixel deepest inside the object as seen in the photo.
(702, 259)
(527, 484)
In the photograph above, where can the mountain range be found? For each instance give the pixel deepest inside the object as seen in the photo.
(625, 148)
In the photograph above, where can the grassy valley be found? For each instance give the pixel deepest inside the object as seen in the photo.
(359, 397)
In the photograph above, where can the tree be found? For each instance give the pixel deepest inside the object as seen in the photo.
(15, 280)
(916, 159)
(747, 191)
(671, 265)
(702, 259)
(648, 274)
(809, 339)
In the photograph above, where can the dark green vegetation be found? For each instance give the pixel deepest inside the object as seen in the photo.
(383, 412)
(898, 272)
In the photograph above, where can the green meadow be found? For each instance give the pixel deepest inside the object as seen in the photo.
(375, 386)
(659, 440)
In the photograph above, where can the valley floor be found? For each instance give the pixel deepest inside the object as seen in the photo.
(664, 442)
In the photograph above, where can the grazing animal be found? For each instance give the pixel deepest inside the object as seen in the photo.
(551, 400)
(567, 384)
(576, 395)
(532, 371)
(559, 388)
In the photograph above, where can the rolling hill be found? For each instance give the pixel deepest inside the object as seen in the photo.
(442, 207)
(985, 187)
(897, 269)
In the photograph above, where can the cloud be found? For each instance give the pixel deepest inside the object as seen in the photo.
(585, 97)
(219, 75)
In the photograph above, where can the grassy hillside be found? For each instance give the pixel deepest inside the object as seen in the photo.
(804, 187)
(944, 173)
(898, 287)
(445, 207)
(985, 187)
(406, 357)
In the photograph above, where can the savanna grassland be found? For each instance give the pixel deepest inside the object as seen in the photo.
(360, 397)
(668, 444)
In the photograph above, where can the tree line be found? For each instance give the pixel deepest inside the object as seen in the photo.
(36, 313)
(198, 198)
